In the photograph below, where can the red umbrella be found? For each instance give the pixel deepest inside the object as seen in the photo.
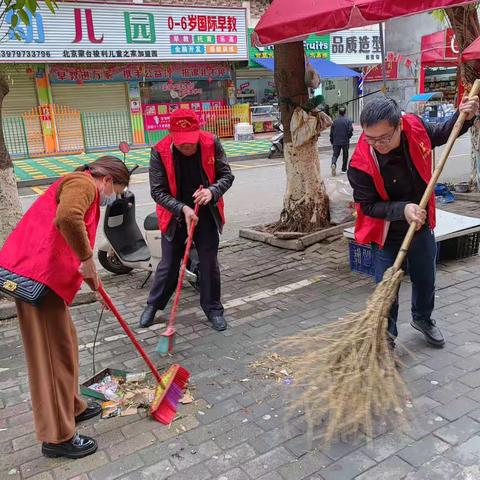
(472, 52)
(284, 21)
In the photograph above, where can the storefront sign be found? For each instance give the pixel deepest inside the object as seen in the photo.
(451, 45)
(316, 46)
(355, 47)
(94, 32)
(348, 47)
(141, 72)
(375, 74)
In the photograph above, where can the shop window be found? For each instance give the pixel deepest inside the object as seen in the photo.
(154, 92)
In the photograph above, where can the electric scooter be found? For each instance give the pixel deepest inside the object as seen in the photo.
(125, 247)
(277, 141)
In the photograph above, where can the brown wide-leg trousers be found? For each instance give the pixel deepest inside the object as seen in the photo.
(51, 350)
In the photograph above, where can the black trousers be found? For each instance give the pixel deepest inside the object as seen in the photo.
(336, 154)
(206, 239)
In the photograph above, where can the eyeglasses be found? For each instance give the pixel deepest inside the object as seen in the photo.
(383, 140)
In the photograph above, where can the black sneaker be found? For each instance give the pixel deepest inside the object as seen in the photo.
(430, 331)
(93, 409)
(78, 446)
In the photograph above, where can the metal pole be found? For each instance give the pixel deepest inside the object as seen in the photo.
(382, 53)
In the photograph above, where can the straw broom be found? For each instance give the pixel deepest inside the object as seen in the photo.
(346, 370)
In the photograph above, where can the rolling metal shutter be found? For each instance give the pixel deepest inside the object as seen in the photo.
(104, 111)
(23, 93)
(92, 97)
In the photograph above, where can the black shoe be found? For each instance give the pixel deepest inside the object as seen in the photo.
(218, 323)
(148, 316)
(78, 446)
(93, 409)
(430, 331)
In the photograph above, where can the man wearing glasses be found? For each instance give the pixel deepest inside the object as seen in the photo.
(389, 172)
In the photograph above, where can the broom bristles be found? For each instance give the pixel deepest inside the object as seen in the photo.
(347, 370)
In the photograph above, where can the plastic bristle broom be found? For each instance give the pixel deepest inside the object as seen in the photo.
(167, 396)
(170, 387)
(166, 342)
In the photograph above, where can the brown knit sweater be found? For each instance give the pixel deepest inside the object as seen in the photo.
(75, 195)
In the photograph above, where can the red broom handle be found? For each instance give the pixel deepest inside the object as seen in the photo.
(128, 331)
(183, 267)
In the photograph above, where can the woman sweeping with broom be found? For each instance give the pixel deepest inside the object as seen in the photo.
(389, 172)
(52, 246)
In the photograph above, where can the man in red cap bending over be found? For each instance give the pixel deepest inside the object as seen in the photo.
(185, 159)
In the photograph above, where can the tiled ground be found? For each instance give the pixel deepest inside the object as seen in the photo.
(51, 167)
(239, 427)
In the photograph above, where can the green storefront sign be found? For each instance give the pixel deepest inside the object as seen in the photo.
(316, 46)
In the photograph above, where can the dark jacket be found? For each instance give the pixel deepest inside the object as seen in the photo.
(161, 194)
(402, 180)
(341, 131)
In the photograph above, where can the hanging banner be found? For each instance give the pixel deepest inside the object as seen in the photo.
(95, 32)
(374, 74)
(140, 72)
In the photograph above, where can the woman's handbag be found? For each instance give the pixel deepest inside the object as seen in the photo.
(22, 288)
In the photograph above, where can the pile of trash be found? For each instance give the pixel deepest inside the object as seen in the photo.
(275, 367)
(125, 395)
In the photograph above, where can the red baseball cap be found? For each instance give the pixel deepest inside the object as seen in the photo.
(184, 127)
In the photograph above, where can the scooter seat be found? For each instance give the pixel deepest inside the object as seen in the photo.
(151, 222)
(135, 253)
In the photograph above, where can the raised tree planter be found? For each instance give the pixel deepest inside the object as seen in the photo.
(292, 240)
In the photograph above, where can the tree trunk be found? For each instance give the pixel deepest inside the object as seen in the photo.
(305, 204)
(10, 206)
(464, 21)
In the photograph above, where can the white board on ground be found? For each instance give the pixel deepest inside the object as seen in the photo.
(449, 225)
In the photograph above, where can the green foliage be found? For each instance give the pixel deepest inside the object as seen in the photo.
(313, 102)
(440, 15)
(20, 9)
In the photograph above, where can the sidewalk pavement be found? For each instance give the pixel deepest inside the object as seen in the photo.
(44, 170)
(239, 427)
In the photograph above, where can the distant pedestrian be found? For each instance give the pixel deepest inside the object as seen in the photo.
(340, 134)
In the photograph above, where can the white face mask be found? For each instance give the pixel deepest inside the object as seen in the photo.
(107, 199)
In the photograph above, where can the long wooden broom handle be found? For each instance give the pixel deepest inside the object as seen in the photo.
(435, 176)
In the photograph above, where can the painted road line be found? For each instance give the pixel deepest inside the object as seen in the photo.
(291, 287)
(241, 166)
(37, 190)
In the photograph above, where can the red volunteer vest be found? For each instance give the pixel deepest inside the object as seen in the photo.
(370, 229)
(207, 149)
(36, 249)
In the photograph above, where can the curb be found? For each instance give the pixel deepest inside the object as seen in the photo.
(9, 311)
(49, 180)
(469, 197)
(298, 244)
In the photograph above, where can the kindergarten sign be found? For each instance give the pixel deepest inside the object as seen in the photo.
(93, 32)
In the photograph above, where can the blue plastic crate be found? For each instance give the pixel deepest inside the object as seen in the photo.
(362, 258)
